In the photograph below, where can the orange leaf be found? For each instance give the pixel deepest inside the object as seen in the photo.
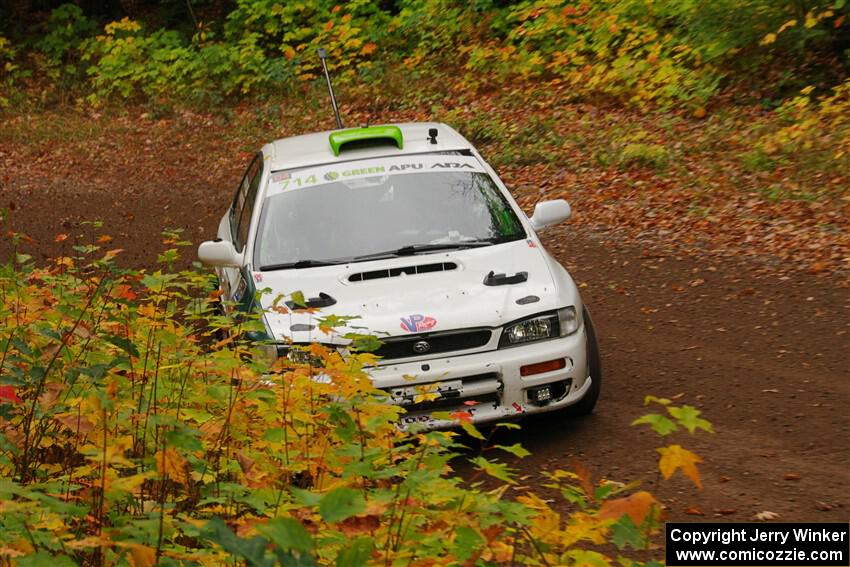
(60, 238)
(124, 291)
(104, 238)
(171, 463)
(583, 474)
(636, 506)
(463, 416)
(368, 48)
(677, 457)
(142, 556)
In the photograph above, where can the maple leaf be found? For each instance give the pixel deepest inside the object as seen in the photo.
(636, 506)
(460, 415)
(124, 291)
(584, 477)
(688, 417)
(170, 462)
(142, 556)
(658, 423)
(8, 394)
(676, 457)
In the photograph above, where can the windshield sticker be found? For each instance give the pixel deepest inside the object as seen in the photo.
(309, 177)
(415, 323)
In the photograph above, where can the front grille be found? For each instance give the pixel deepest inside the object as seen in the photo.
(453, 394)
(440, 342)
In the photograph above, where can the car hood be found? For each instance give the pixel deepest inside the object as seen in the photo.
(413, 303)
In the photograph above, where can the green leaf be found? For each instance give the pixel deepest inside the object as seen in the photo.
(515, 449)
(688, 417)
(305, 497)
(652, 399)
(626, 533)
(357, 553)
(364, 343)
(467, 541)
(471, 430)
(341, 503)
(287, 534)
(588, 558)
(274, 434)
(298, 299)
(253, 550)
(659, 423)
(496, 470)
(185, 439)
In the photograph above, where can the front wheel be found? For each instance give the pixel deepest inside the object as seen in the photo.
(594, 366)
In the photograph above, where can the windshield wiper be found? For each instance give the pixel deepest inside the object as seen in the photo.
(412, 249)
(302, 264)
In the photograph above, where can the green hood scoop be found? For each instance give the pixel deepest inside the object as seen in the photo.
(363, 136)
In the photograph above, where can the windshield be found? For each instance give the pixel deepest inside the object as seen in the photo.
(375, 208)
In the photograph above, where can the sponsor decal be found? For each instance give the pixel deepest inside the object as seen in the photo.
(517, 408)
(258, 277)
(531, 244)
(417, 322)
(313, 176)
(451, 165)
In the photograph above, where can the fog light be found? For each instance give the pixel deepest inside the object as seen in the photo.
(540, 394)
(541, 367)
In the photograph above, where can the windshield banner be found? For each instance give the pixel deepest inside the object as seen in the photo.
(281, 181)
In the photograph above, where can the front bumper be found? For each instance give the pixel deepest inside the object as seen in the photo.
(487, 385)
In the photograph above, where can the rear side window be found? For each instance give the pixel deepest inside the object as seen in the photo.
(243, 203)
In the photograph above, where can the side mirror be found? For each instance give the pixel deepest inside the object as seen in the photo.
(219, 253)
(548, 213)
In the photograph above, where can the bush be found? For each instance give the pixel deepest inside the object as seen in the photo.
(10, 71)
(67, 31)
(647, 155)
(129, 434)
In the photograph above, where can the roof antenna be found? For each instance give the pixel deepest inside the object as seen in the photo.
(323, 55)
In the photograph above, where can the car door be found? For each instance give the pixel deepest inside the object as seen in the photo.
(241, 212)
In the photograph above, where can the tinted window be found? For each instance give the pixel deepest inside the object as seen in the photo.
(243, 203)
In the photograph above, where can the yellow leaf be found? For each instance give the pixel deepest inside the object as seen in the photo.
(768, 39)
(677, 457)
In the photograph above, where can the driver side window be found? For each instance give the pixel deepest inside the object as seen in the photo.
(243, 203)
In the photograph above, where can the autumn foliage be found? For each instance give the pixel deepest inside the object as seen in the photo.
(131, 433)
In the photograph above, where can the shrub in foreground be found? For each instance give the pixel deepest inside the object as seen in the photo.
(131, 433)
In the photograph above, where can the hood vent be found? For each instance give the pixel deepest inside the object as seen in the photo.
(404, 270)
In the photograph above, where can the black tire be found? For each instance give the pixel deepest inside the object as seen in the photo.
(588, 402)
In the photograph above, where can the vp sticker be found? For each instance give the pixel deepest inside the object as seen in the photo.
(415, 323)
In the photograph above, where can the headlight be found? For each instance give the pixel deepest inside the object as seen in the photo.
(558, 323)
(301, 356)
(568, 321)
(265, 354)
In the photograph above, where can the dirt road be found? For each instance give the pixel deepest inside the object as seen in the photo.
(764, 356)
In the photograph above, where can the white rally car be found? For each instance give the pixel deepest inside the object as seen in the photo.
(407, 228)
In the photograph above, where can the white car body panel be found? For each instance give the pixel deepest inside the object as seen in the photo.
(454, 300)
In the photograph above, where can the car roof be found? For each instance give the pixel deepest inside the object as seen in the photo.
(314, 149)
